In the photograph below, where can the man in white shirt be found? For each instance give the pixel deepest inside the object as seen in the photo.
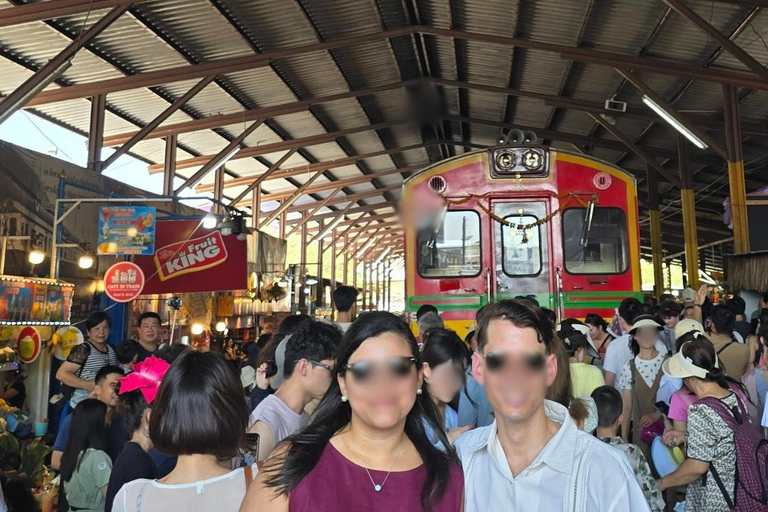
(345, 302)
(618, 352)
(533, 457)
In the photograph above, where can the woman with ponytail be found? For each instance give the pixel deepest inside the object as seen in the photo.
(710, 443)
(367, 447)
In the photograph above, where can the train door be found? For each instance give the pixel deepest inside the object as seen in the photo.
(521, 257)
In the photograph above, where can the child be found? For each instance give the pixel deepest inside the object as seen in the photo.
(127, 354)
(609, 405)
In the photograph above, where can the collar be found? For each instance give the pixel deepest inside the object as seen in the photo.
(558, 453)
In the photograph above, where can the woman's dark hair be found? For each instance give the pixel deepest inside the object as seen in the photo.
(561, 390)
(131, 407)
(596, 320)
(263, 339)
(572, 339)
(443, 346)
(291, 324)
(702, 354)
(96, 318)
(88, 430)
(200, 408)
(169, 353)
(306, 447)
(267, 355)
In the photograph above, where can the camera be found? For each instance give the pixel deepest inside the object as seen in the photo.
(175, 303)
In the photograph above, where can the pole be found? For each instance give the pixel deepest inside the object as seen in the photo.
(736, 170)
(689, 213)
(656, 245)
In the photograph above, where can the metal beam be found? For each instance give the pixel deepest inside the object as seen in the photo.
(221, 156)
(317, 166)
(290, 200)
(168, 112)
(718, 36)
(219, 120)
(303, 220)
(171, 144)
(42, 11)
(96, 131)
(683, 120)
(344, 199)
(361, 209)
(37, 82)
(637, 150)
(257, 182)
(321, 231)
(281, 146)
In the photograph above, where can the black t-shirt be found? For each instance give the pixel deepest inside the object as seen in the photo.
(143, 353)
(117, 436)
(18, 400)
(131, 465)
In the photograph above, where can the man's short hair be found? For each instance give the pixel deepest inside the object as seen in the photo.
(106, 371)
(629, 308)
(723, 319)
(344, 297)
(737, 305)
(314, 341)
(670, 308)
(424, 309)
(521, 313)
(200, 408)
(126, 350)
(429, 321)
(608, 401)
(149, 314)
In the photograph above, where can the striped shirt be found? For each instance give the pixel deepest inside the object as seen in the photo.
(91, 360)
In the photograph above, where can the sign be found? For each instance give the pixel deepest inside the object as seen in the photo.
(30, 344)
(190, 258)
(34, 301)
(70, 337)
(127, 230)
(602, 181)
(124, 281)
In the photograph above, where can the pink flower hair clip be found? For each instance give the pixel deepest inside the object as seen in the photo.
(146, 377)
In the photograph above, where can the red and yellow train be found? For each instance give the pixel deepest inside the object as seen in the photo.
(520, 220)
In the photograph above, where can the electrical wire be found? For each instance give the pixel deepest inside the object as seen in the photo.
(31, 120)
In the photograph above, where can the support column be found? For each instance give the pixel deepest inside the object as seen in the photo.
(333, 266)
(171, 142)
(689, 213)
(656, 246)
(345, 280)
(302, 268)
(320, 291)
(218, 190)
(389, 285)
(283, 218)
(96, 131)
(365, 284)
(736, 170)
(256, 208)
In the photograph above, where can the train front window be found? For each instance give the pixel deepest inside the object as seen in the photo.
(521, 250)
(596, 248)
(452, 250)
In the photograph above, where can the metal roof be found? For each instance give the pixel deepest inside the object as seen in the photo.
(497, 64)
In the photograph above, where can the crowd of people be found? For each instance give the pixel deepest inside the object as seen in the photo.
(528, 411)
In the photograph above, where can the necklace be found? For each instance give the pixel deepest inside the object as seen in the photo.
(377, 487)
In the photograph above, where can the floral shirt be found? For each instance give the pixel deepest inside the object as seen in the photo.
(642, 472)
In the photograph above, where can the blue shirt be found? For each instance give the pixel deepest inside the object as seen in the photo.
(762, 389)
(117, 436)
(451, 422)
(474, 408)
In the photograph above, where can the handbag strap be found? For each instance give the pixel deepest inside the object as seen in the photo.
(635, 398)
(248, 473)
(721, 486)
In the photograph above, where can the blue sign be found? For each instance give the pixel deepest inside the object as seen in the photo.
(127, 230)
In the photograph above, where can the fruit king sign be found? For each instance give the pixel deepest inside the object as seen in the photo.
(189, 258)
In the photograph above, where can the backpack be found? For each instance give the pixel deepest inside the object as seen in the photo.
(751, 488)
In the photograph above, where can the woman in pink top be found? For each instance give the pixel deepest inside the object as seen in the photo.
(366, 448)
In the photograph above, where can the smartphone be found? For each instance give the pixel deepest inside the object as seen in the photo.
(662, 407)
(251, 451)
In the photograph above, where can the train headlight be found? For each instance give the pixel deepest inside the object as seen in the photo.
(532, 160)
(505, 160)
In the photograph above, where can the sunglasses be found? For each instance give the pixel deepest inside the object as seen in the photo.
(398, 367)
(498, 361)
(321, 365)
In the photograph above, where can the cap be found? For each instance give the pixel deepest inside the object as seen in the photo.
(689, 295)
(681, 367)
(280, 361)
(644, 321)
(687, 325)
(247, 376)
(583, 329)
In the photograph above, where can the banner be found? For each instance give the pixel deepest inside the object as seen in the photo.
(189, 258)
(123, 281)
(127, 230)
(34, 301)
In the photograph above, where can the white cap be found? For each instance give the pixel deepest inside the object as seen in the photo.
(681, 367)
(687, 325)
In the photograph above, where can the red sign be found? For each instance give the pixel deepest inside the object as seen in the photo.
(29, 344)
(124, 281)
(190, 258)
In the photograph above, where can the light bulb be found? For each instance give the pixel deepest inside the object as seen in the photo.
(210, 221)
(221, 326)
(282, 283)
(311, 280)
(86, 261)
(307, 290)
(36, 257)
(132, 232)
(197, 329)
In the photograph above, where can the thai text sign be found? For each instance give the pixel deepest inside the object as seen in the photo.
(127, 230)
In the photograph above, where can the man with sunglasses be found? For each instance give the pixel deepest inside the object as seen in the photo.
(533, 457)
(307, 371)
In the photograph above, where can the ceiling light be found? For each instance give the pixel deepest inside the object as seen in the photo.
(86, 261)
(283, 283)
(307, 290)
(311, 281)
(210, 221)
(36, 257)
(197, 329)
(221, 326)
(669, 118)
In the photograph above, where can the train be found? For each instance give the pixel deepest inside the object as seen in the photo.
(520, 220)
